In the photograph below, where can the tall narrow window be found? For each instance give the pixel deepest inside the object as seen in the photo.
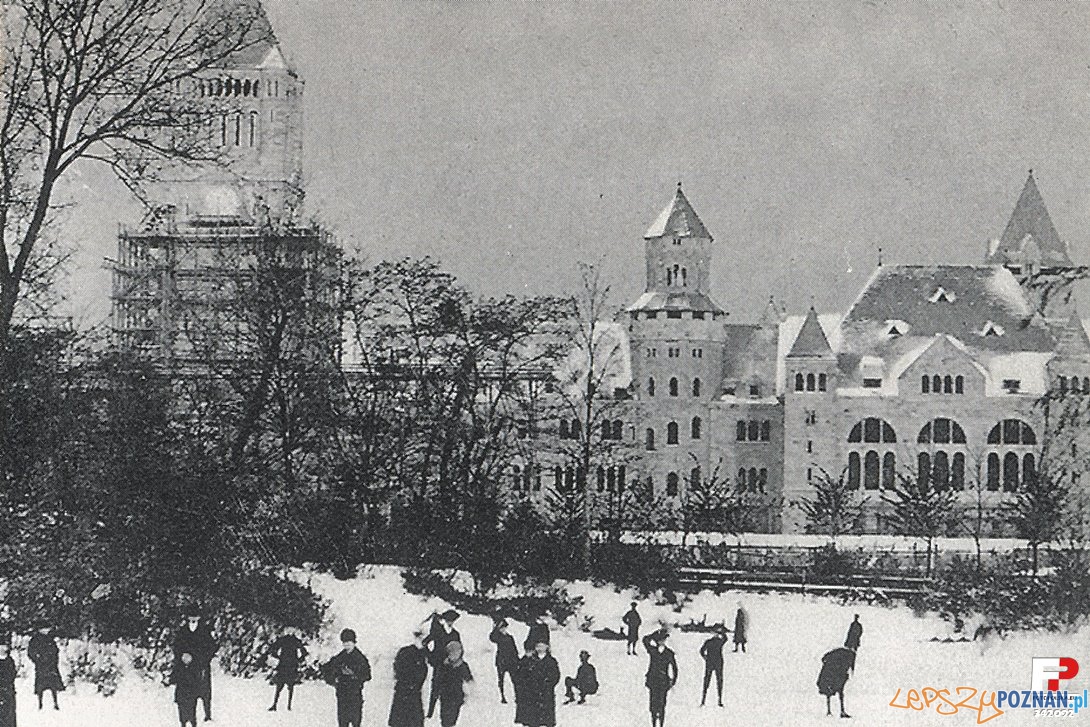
(223, 130)
(673, 386)
(694, 477)
(238, 129)
(766, 431)
(925, 384)
(753, 430)
(696, 426)
(741, 484)
(671, 484)
(948, 384)
(959, 385)
(651, 386)
(576, 429)
(650, 440)
(799, 382)
(671, 433)
(823, 382)
(253, 128)
(618, 429)
(696, 387)
(854, 470)
(810, 382)
(740, 431)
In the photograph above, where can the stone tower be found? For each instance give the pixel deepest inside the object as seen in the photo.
(676, 333)
(1032, 249)
(252, 110)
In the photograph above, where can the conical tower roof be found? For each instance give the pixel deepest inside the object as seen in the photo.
(811, 341)
(1030, 219)
(260, 46)
(678, 219)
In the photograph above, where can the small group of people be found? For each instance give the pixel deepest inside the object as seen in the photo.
(43, 652)
(836, 665)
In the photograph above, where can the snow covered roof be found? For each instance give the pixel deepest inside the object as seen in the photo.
(1030, 232)
(658, 300)
(811, 341)
(678, 219)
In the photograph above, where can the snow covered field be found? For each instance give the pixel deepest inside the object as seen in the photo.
(773, 684)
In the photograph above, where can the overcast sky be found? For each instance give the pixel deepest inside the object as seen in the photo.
(512, 140)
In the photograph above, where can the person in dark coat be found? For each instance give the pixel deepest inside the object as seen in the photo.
(188, 681)
(507, 654)
(741, 628)
(347, 672)
(712, 652)
(7, 685)
(289, 652)
(442, 633)
(539, 634)
(410, 672)
(855, 633)
(661, 675)
(835, 666)
(454, 674)
(535, 697)
(43, 651)
(585, 680)
(195, 639)
(632, 620)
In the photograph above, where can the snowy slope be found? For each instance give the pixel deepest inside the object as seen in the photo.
(773, 684)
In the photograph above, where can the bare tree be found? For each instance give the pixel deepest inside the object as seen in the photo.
(920, 509)
(835, 509)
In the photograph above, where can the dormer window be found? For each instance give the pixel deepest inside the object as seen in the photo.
(896, 328)
(870, 383)
(991, 330)
(942, 295)
(1012, 386)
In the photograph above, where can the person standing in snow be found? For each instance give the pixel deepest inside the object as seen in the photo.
(45, 655)
(632, 621)
(855, 633)
(741, 628)
(453, 675)
(195, 639)
(7, 684)
(442, 633)
(289, 652)
(507, 655)
(347, 672)
(712, 652)
(539, 633)
(585, 680)
(188, 681)
(835, 666)
(535, 700)
(661, 674)
(410, 673)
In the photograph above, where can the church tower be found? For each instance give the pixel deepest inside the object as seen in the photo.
(676, 332)
(1039, 258)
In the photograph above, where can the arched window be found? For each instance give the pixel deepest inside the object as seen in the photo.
(516, 476)
(959, 384)
(257, 86)
(223, 130)
(669, 276)
(741, 485)
(695, 429)
(754, 479)
(871, 460)
(684, 277)
(671, 433)
(957, 471)
(611, 479)
(940, 475)
(694, 477)
(601, 478)
(823, 382)
(753, 430)
(944, 441)
(766, 431)
(253, 128)
(923, 469)
(696, 387)
(238, 128)
(800, 382)
(671, 484)
(1012, 442)
(618, 429)
(650, 385)
(650, 440)
(673, 386)
(854, 470)
(238, 86)
(740, 434)
(246, 86)
(810, 382)
(925, 384)
(558, 477)
(948, 384)
(569, 477)
(936, 384)
(762, 479)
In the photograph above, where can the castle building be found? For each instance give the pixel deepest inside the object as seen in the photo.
(181, 277)
(935, 372)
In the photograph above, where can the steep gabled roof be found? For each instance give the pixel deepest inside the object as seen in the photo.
(1071, 339)
(974, 296)
(1030, 230)
(260, 48)
(811, 341)
(678, 219)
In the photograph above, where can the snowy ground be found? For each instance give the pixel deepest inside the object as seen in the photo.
(773, 684)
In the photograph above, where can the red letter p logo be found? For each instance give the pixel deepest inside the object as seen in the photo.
(1048, 671)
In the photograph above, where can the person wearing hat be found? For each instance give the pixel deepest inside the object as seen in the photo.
(632, 621)
(835, 667)
(43, 652)
(347, 672)
(195, 639)
(442, 633)
(712, 652)
(535, 698)
(289, 652)
(741, 628)
(410, 672)
(539, 633)
(585, 680)
(661, 674)
(452, 675)
(7, 684)
(507, 654)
